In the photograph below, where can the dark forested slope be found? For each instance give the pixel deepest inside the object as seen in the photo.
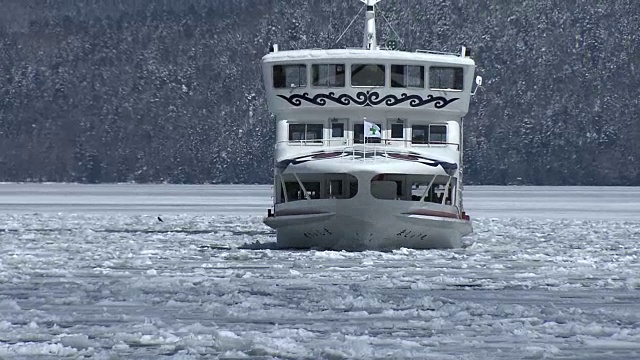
(148, 91)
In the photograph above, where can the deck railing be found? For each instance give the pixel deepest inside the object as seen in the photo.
(436, 52)
(342, 142)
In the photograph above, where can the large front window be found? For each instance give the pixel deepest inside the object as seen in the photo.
(315, 186)
(446, 78)
(407, 76)
(327, 75)
(295, 192)
(367, 75)
(305, 133)
(289, 76)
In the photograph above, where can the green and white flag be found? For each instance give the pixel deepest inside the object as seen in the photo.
(371, 129)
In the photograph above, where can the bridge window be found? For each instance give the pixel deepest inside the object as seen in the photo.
(306, 133)
(446, 78)
(367, 75)
(407, 76)
(327, 75)
(288, 76)
(429, 134)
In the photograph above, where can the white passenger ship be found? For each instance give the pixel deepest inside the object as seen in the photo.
(368, 145)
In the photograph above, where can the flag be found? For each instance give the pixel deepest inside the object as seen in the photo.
(371, 129)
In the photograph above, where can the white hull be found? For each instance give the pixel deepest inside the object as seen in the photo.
(366, 223)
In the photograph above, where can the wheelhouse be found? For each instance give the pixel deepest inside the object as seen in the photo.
(367, 74)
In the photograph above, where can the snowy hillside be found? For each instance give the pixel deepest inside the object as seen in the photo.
(170, 91)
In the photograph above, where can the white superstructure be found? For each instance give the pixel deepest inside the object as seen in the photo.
(337, 187)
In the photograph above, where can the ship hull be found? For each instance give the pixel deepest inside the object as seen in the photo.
(357, 225)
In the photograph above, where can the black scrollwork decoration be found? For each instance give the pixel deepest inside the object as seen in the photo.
(369, 98)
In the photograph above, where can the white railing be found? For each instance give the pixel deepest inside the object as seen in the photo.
(343, 142)
(436, 52)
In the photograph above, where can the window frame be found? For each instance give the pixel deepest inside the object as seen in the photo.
(425, 128)
(344, 130)
(351, 74)
(427, 136)
(391, 131)
(335, 194)
(287, 84)
(335, 75)
(405, 76)
(458, 78)
(446, 130)
(306, 141)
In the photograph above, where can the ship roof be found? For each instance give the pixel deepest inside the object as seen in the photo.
(356, 54)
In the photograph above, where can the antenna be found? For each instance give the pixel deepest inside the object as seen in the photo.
(370, 41)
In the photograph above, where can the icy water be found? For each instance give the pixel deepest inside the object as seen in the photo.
(90, 272)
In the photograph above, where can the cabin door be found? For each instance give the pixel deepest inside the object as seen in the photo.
(396, 132)
(338, 131)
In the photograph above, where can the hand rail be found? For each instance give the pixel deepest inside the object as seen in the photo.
(435, 52)
(384, 142)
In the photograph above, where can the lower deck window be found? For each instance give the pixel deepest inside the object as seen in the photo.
(407, 187)
(438, 134)
(317, 187)
(438, 194)
(295, 192)
(306, 132)
(335, 189)
(429, 134)
(313, 189)
(419, 134)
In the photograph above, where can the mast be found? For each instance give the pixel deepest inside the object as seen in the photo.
(370, 41)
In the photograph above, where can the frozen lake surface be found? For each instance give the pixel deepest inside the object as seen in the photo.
(90, 272)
